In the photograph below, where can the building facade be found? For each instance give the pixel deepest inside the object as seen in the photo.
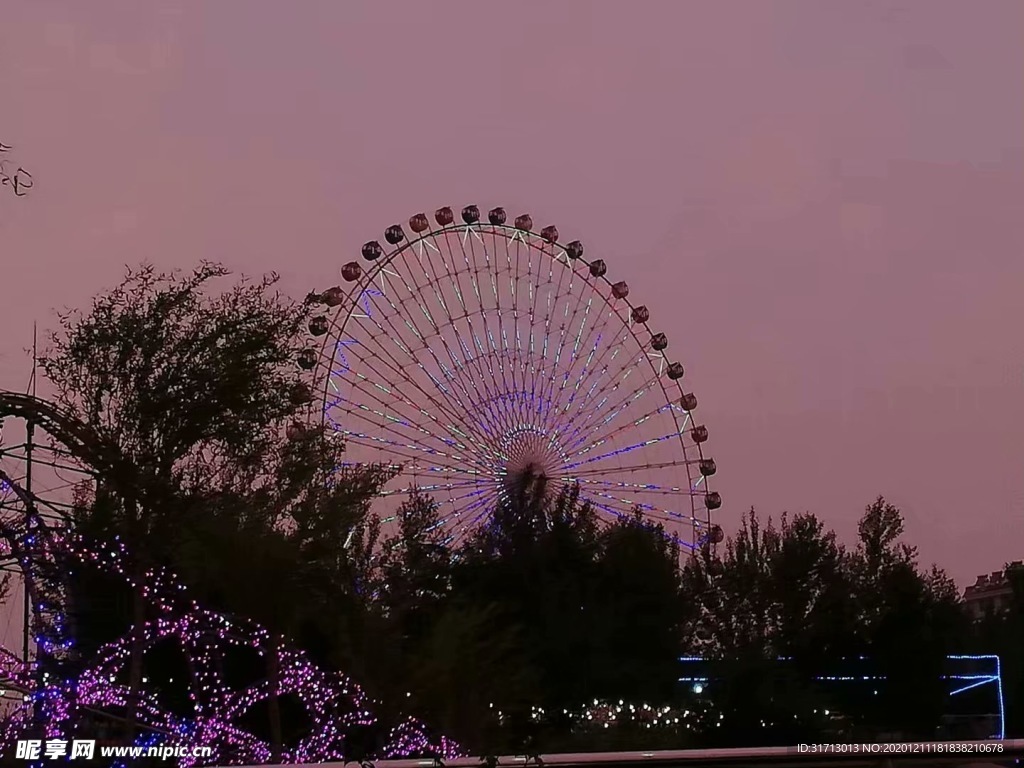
(991, 593)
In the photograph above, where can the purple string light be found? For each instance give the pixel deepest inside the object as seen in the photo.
(334, 703)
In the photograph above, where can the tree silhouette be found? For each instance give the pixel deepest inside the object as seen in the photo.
(12, 176)
(910, 621)
(783, 609)
(589, 612)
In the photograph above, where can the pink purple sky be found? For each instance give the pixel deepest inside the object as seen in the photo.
(822, 203)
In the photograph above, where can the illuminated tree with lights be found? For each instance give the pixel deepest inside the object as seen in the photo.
(198, 389)
(57, 705)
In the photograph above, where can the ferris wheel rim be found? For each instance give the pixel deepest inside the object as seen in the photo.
(341, 315)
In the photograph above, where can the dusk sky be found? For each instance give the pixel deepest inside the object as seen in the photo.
(821, 203)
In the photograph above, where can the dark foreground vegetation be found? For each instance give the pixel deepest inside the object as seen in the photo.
(543, 631)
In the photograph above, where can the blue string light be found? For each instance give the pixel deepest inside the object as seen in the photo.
(995, 678)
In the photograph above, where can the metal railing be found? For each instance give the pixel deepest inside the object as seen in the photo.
(974, 753)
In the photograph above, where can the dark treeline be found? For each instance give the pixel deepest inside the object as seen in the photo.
(527, 634)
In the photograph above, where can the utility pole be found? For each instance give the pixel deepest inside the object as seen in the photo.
(29, 508)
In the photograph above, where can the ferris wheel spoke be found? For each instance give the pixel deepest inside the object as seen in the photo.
(629, 426)
(438, 294)
(375, 358)
(625, 449)
(594, 366)
(505, 415)
(552, 389)
(653, 513)
(447, 435)
(533, 290)
(478, 392)
(377, 303)
(513, 352)
(372, 391)
(564, 406)
(508, 411)
(677, 463)
(482, 350)
(402, 373)
(626, 333)
(472, 258)
(457, 284)
(514, 283)
(480, 496)
(505, 405)
(472, 354)
(501, 346)
(545, 370)
(484, 392)
(623, 506)
(644, 488)
(671, 520)
(471, 392)
(492, 274)
(491, 265)
(579, 339)
(421, 345)
(593, 324)
(592, 425)
(467, 504)
(477, 511)
(383, 353)
(401, 450)
(584, 421)
(448, 445)
(435, 487)
(525, 329)
(594, 360)
(584, 407)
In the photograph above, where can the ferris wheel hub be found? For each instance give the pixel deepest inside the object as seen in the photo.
(529, 455)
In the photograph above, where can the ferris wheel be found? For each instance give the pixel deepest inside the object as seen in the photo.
(468, 355)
